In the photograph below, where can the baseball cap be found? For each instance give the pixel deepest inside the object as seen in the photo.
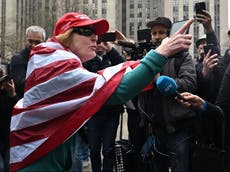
(200, 39)
(75, 19)
(164, 21)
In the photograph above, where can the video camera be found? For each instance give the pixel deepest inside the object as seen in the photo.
(144, 44)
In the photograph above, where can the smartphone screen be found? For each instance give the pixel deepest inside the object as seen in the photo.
(177, 25)
(107, 37)
(214, 49)
(199, 7)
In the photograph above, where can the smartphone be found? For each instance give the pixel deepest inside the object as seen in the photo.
(214, 49)
(5, 78)
(199, 7)
(107, 37)
(177, 25)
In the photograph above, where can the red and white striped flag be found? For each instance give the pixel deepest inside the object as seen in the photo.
(60, 96)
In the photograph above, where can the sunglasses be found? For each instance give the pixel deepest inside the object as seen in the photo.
(34, 41)
(84, 31)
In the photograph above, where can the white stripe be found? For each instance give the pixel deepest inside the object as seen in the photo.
(19, 153)
(55, 45)
(111, 71)
(40, 115)
(40, 60)
(56, 85)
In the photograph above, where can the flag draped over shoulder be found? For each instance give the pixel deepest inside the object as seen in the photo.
(60, 96)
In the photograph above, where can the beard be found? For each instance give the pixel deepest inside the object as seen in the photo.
(157, 43)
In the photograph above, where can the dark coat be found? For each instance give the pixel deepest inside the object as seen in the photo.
(6, 106)
(18, 67)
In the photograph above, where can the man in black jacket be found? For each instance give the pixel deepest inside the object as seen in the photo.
(18, 66)
(171, 123)
(206, 65)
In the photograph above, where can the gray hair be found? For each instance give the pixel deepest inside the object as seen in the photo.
(36, 29)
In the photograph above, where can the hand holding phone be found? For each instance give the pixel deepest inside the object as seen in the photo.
(5, 78)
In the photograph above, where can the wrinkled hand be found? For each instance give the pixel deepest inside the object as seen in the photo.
(191, 100)
(209, 62)
(177, 42)
(206, 19)
(120, 36)
(9, 87)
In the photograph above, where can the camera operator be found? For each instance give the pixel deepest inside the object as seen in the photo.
(7, 100)
(170, 122)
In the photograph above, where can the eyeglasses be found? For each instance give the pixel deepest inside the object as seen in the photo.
(84, 31)
(34, 41)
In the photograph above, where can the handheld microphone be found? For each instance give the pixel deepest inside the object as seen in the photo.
(126, 44)
(168, 87)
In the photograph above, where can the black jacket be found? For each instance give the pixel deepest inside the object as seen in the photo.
(6, 106)
(18, 67)
(164, 110)
(223, 100)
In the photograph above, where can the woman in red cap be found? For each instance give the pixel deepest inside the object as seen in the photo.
(60, 95)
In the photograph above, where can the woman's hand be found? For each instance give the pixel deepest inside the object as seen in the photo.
(177, 42)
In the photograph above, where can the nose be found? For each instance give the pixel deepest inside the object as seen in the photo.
(157, 36)
(94, 37)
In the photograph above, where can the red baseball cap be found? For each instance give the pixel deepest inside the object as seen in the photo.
(74, 19)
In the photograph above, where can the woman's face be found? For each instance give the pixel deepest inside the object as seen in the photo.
(83, 43)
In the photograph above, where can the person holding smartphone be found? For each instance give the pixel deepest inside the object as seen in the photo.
(206, 64)
(210, 69)
(7, 100)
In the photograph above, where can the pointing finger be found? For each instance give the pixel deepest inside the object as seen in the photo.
(185, 26)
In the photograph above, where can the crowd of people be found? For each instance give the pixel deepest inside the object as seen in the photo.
(61, 100)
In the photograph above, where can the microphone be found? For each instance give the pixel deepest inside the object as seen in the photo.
(168, 87)
(126, 44)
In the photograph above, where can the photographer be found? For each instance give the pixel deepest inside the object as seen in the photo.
(208, 66)
(170, 122)
(7, 100)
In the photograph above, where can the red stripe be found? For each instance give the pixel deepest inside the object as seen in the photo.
(81, 90)
(39, 49)
(49, 71)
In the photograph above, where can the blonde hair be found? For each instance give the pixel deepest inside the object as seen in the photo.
(65, 38)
